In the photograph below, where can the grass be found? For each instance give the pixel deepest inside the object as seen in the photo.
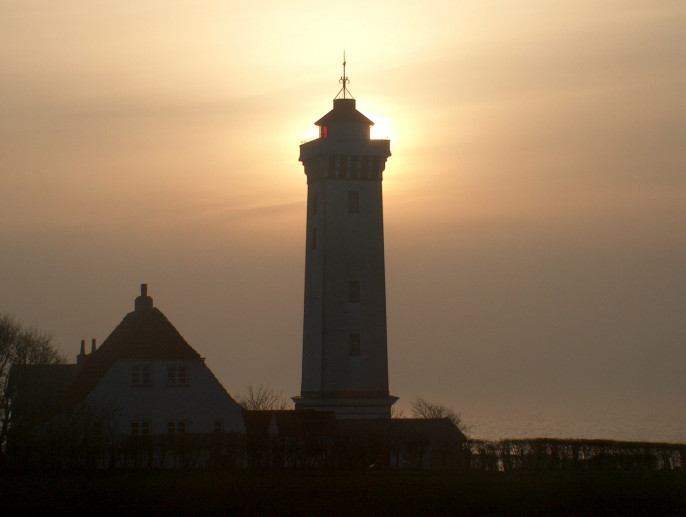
(381, 492)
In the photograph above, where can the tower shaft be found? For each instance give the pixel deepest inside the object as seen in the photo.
(345, 361)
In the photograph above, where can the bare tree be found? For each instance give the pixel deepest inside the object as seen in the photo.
(424, 409)
(262, 398)
(397, 412)
(19, 346)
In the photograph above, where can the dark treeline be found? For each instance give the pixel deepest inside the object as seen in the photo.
(570, 454)
(77, 450)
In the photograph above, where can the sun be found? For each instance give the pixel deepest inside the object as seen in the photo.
(383, 128)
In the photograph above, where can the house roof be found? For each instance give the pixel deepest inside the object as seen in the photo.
(257, 422)
(36, 389)
(433, 429)
(300, 423)
(343, 112)
(289, 423)
(144, 334)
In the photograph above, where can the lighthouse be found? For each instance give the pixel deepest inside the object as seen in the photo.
(345, 358)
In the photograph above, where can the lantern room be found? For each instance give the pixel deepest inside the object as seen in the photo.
(344, 122)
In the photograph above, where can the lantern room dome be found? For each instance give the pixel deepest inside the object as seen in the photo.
(344, 112)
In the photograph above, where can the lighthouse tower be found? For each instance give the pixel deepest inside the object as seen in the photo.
(345, 361)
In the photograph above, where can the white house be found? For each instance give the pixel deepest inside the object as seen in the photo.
(153, 381)
(144, 381)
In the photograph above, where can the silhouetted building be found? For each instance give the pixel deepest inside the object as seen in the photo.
(401, 442)
(145, 380)
(345, 363)
(318, 439)
(286, 438)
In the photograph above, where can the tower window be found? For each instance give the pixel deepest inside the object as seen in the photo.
(354, 170)
(353, 202)
(375, 172)
(354, 344)
(343, 167)
(325, 132)
(354, 291)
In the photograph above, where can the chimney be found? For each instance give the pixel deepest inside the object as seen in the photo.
(92, 345)
(143, 302)
(82, 355)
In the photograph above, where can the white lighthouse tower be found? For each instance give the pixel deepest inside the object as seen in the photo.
(345, 361)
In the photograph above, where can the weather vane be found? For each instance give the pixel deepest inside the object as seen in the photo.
(345, 81)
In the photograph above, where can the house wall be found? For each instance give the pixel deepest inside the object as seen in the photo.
(199, 403)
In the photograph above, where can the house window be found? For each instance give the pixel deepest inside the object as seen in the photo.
(141, 375)
(218, 426)
(354, 344)
(177, 375)
(353, 202)
(176, 426)
(325, 131)
(354, 291)
(140, 427)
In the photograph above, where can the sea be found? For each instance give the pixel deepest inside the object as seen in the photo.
(610, 426)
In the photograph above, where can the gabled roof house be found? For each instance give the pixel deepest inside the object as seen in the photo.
(153, 380)
(144, 379)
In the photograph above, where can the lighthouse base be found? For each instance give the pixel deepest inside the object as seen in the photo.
(348, 405)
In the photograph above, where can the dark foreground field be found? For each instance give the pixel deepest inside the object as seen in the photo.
(378, 492)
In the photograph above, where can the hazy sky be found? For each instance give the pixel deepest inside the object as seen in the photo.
(535, 202)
